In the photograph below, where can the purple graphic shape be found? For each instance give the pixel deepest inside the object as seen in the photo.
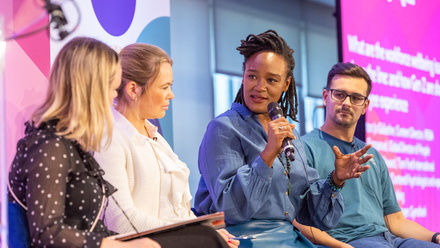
(115, 16)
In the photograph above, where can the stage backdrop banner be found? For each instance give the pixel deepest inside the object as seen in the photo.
(28, 60)
(397, 42)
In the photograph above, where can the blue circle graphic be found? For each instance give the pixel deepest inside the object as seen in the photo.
(115, 16)
(157, 33)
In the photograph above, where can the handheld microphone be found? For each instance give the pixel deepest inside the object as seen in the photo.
(276, 112)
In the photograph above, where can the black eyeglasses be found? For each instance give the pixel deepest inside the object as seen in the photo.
(355, 99)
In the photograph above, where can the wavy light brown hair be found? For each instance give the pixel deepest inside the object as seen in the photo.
(141, 64)
(78, 93)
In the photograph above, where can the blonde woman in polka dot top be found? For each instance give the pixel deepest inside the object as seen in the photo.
(53, 174)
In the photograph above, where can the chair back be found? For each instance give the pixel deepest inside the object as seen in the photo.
(18, 231)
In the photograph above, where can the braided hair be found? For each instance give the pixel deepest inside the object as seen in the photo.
(270, 41)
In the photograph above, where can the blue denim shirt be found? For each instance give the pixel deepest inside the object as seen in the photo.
(235, 179)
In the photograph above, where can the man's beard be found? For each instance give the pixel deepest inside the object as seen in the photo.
(344, 121)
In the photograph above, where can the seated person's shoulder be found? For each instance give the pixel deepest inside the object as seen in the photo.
(312, 138)
(43, 138)
(227, 119)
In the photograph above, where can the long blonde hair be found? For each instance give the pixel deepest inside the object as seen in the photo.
(78, 93)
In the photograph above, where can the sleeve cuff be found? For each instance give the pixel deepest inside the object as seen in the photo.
(262, 169)
(328, 190)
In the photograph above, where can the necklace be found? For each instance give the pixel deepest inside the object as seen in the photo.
(286, 167)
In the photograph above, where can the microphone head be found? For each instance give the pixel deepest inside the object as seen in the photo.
(274, 110)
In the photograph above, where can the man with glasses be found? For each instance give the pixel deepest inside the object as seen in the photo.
(372, 217)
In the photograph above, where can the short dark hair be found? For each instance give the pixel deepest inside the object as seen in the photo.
(351, 70)
(270, 41)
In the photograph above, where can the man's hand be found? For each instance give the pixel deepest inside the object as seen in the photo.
(350, 165)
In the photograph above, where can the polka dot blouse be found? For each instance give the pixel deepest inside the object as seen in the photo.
(61, 186)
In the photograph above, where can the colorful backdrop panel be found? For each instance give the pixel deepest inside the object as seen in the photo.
(397, 42)
(27, 61)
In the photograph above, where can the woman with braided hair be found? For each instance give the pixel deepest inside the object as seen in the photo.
(244, 172)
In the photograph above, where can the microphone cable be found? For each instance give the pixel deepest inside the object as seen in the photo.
(126, 216)
(365, 185)
(378, 201)
(308, 183)
(57, 17)
(123, 212)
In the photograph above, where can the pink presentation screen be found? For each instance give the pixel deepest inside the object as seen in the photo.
(398, 43)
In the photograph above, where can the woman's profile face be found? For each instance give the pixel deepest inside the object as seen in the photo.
(156, 99)
(264, 80)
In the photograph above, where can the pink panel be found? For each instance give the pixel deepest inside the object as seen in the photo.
(27, 66)
(28, 16)
(25, 89)
(411, 144)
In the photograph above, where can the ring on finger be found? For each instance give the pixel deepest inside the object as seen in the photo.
(280, 128)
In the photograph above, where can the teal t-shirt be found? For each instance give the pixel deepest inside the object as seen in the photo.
(367, 199)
